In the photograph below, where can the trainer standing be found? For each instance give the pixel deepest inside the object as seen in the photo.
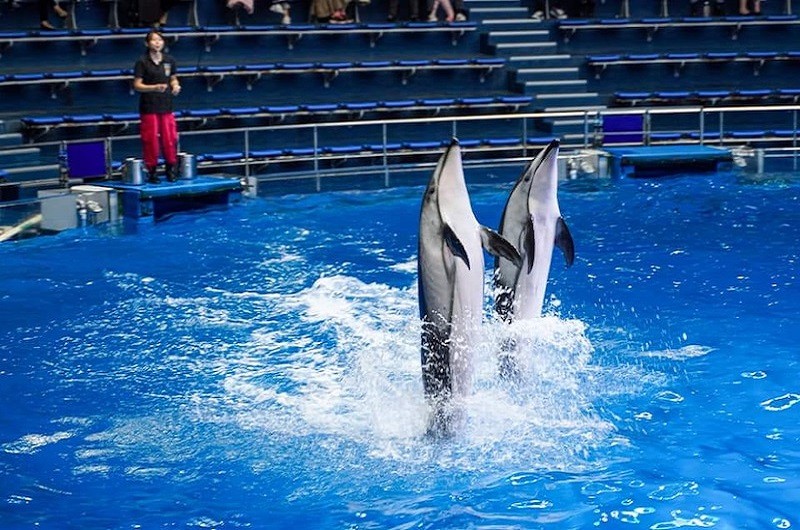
(155, 80)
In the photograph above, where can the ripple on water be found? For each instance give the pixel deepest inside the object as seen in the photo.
(781, 403)
(668, 395)
(668, 492)
(31, 443)
(690, 351)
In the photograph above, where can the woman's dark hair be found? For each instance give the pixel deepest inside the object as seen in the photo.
(151, 33)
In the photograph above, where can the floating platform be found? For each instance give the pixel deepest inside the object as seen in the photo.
(664, 160)
(151, 202)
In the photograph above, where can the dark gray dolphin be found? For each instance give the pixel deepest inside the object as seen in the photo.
(450, 282)
(532, 222)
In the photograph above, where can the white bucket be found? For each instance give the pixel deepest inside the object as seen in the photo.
(187, 166)
(133, 171)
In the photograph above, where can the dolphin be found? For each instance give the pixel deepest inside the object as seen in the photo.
(450, 280)
(532, 222)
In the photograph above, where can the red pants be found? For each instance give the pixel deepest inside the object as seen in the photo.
(153, 128)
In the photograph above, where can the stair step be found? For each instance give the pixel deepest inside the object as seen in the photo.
(554, 57)
(554, 70)
(480, 12)
(13, 158)
(555, 84)
(528, 46)
(10, 139)
(515, 8)
(520, 33)
(493, 24)
(511, 21)
(524, 75)
(32, 173)
(574, 95)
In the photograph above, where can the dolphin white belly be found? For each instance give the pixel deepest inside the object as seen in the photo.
(532, 222)
(450, 282)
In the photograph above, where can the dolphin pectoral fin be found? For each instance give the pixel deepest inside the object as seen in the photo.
(529, 242)
(455, 245)
(497, 245)
(564, 241)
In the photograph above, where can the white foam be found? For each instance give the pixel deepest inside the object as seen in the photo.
(358, 381)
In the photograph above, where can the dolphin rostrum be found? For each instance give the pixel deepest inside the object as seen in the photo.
(532, 222)
(450, 282)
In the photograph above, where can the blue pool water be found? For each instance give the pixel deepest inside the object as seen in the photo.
(259, 368)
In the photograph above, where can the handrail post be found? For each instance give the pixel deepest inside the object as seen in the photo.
(788, 7)
(702, 125)
(525, 137)
(385, 155)
(646, 127)
(664, 8)
(721, 127)
(794, 138)
(247, 153)
(625, 9)
(585, 129)
(316, 157)
(107, 143)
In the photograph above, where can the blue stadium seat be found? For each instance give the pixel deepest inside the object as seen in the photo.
(266, 153)
(224, 157)
(398, 103)
(342, 149)
(240, 111)
(501, 142)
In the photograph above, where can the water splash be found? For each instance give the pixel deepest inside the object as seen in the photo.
(359, 382)
(690, 351)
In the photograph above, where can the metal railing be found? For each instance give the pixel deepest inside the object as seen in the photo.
(319, 145)
(700, 125)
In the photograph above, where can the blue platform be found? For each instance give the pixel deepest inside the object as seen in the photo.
(150, 202)
(664, 160)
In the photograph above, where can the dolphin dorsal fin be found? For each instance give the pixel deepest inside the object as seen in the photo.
(497, 245)
(564, 241)
(454, 244)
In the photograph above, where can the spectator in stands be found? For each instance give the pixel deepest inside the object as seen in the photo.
(166, 5)
(450, 14)
(556, 11)
(413, 10)
(330, 10)
(155, 80)
(282, 8)
(716, 7)
(743, 9)
(44, 13)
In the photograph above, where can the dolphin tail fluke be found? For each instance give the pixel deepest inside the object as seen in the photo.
(564, 241)
(497, 245)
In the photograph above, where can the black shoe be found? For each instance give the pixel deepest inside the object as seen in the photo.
(172, 176)
(152, 178)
